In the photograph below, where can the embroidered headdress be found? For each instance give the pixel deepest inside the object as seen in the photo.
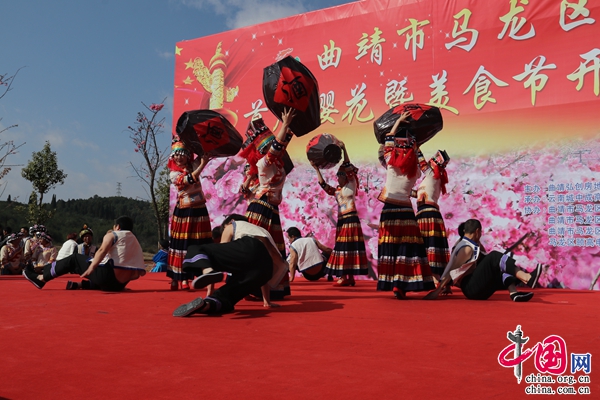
(177, 147)
(258, 141)
(86, 230)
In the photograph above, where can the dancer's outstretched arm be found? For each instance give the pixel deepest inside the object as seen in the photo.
(403, 117)
(461, 258)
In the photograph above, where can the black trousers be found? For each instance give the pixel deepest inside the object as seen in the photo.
(488, 277)
(103, 277)
(247, 259)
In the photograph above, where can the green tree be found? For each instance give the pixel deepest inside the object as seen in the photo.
(43, 173)
(144, 136)
(36, 214)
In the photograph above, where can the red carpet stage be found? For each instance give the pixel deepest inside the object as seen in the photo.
(324, 342)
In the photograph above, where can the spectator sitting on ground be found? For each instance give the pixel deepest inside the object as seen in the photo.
(69, 247)
(11, 255)
(160, 259)
(44, 253)
(86, 247)
(6, 232)
(32, 242)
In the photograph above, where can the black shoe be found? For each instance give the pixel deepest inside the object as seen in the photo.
(72, 285)
(204, 280)
(32, 277)
(521, 297)
(194, 306)
(87, 285)
(535, 275)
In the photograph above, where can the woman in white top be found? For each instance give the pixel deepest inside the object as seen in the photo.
(402, 264)
(69, 247)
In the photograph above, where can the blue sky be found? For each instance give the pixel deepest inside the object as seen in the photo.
(88, 65)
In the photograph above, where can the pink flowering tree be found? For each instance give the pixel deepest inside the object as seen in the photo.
(148, 126)
(523, 191)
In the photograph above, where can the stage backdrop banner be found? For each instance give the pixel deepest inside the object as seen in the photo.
(518, 85)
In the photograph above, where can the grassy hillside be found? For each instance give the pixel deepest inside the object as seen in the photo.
(98, 212)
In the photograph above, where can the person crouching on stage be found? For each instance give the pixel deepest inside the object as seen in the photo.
(402, 258)
(190, 223)
(349, 256)
(265, 157)
(429, 218)
(480, 275)
(248, 253)
(307, 255)
(118, 261)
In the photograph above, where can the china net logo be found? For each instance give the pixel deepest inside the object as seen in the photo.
(551, 360)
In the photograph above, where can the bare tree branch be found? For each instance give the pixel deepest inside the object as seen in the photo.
(143, 134)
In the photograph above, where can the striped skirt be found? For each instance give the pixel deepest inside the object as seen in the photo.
(433, 231)
(349, 256)
(402, 258)
(262, 213)
(189, 226)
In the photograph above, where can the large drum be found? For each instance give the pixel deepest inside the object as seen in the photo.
(424, 122)
(208, 132)
(324, 151)
(288, 83)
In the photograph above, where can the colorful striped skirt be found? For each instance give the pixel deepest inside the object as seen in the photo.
(349, 256)
(262, 213)
(402, 258)
(189, 226)
(433, 231)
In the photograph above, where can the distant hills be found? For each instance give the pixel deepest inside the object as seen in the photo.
(97, 212)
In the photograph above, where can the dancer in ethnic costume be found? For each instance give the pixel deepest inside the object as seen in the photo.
(479, 275)
(265, 155)
(190, 223)
(429, 217)
(402, 258)
(349, 256)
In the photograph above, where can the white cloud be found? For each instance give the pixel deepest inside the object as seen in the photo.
(167, 55)
(55, 136)
(85, 144)
(220, 7)
(240, 13)
(252, 12)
